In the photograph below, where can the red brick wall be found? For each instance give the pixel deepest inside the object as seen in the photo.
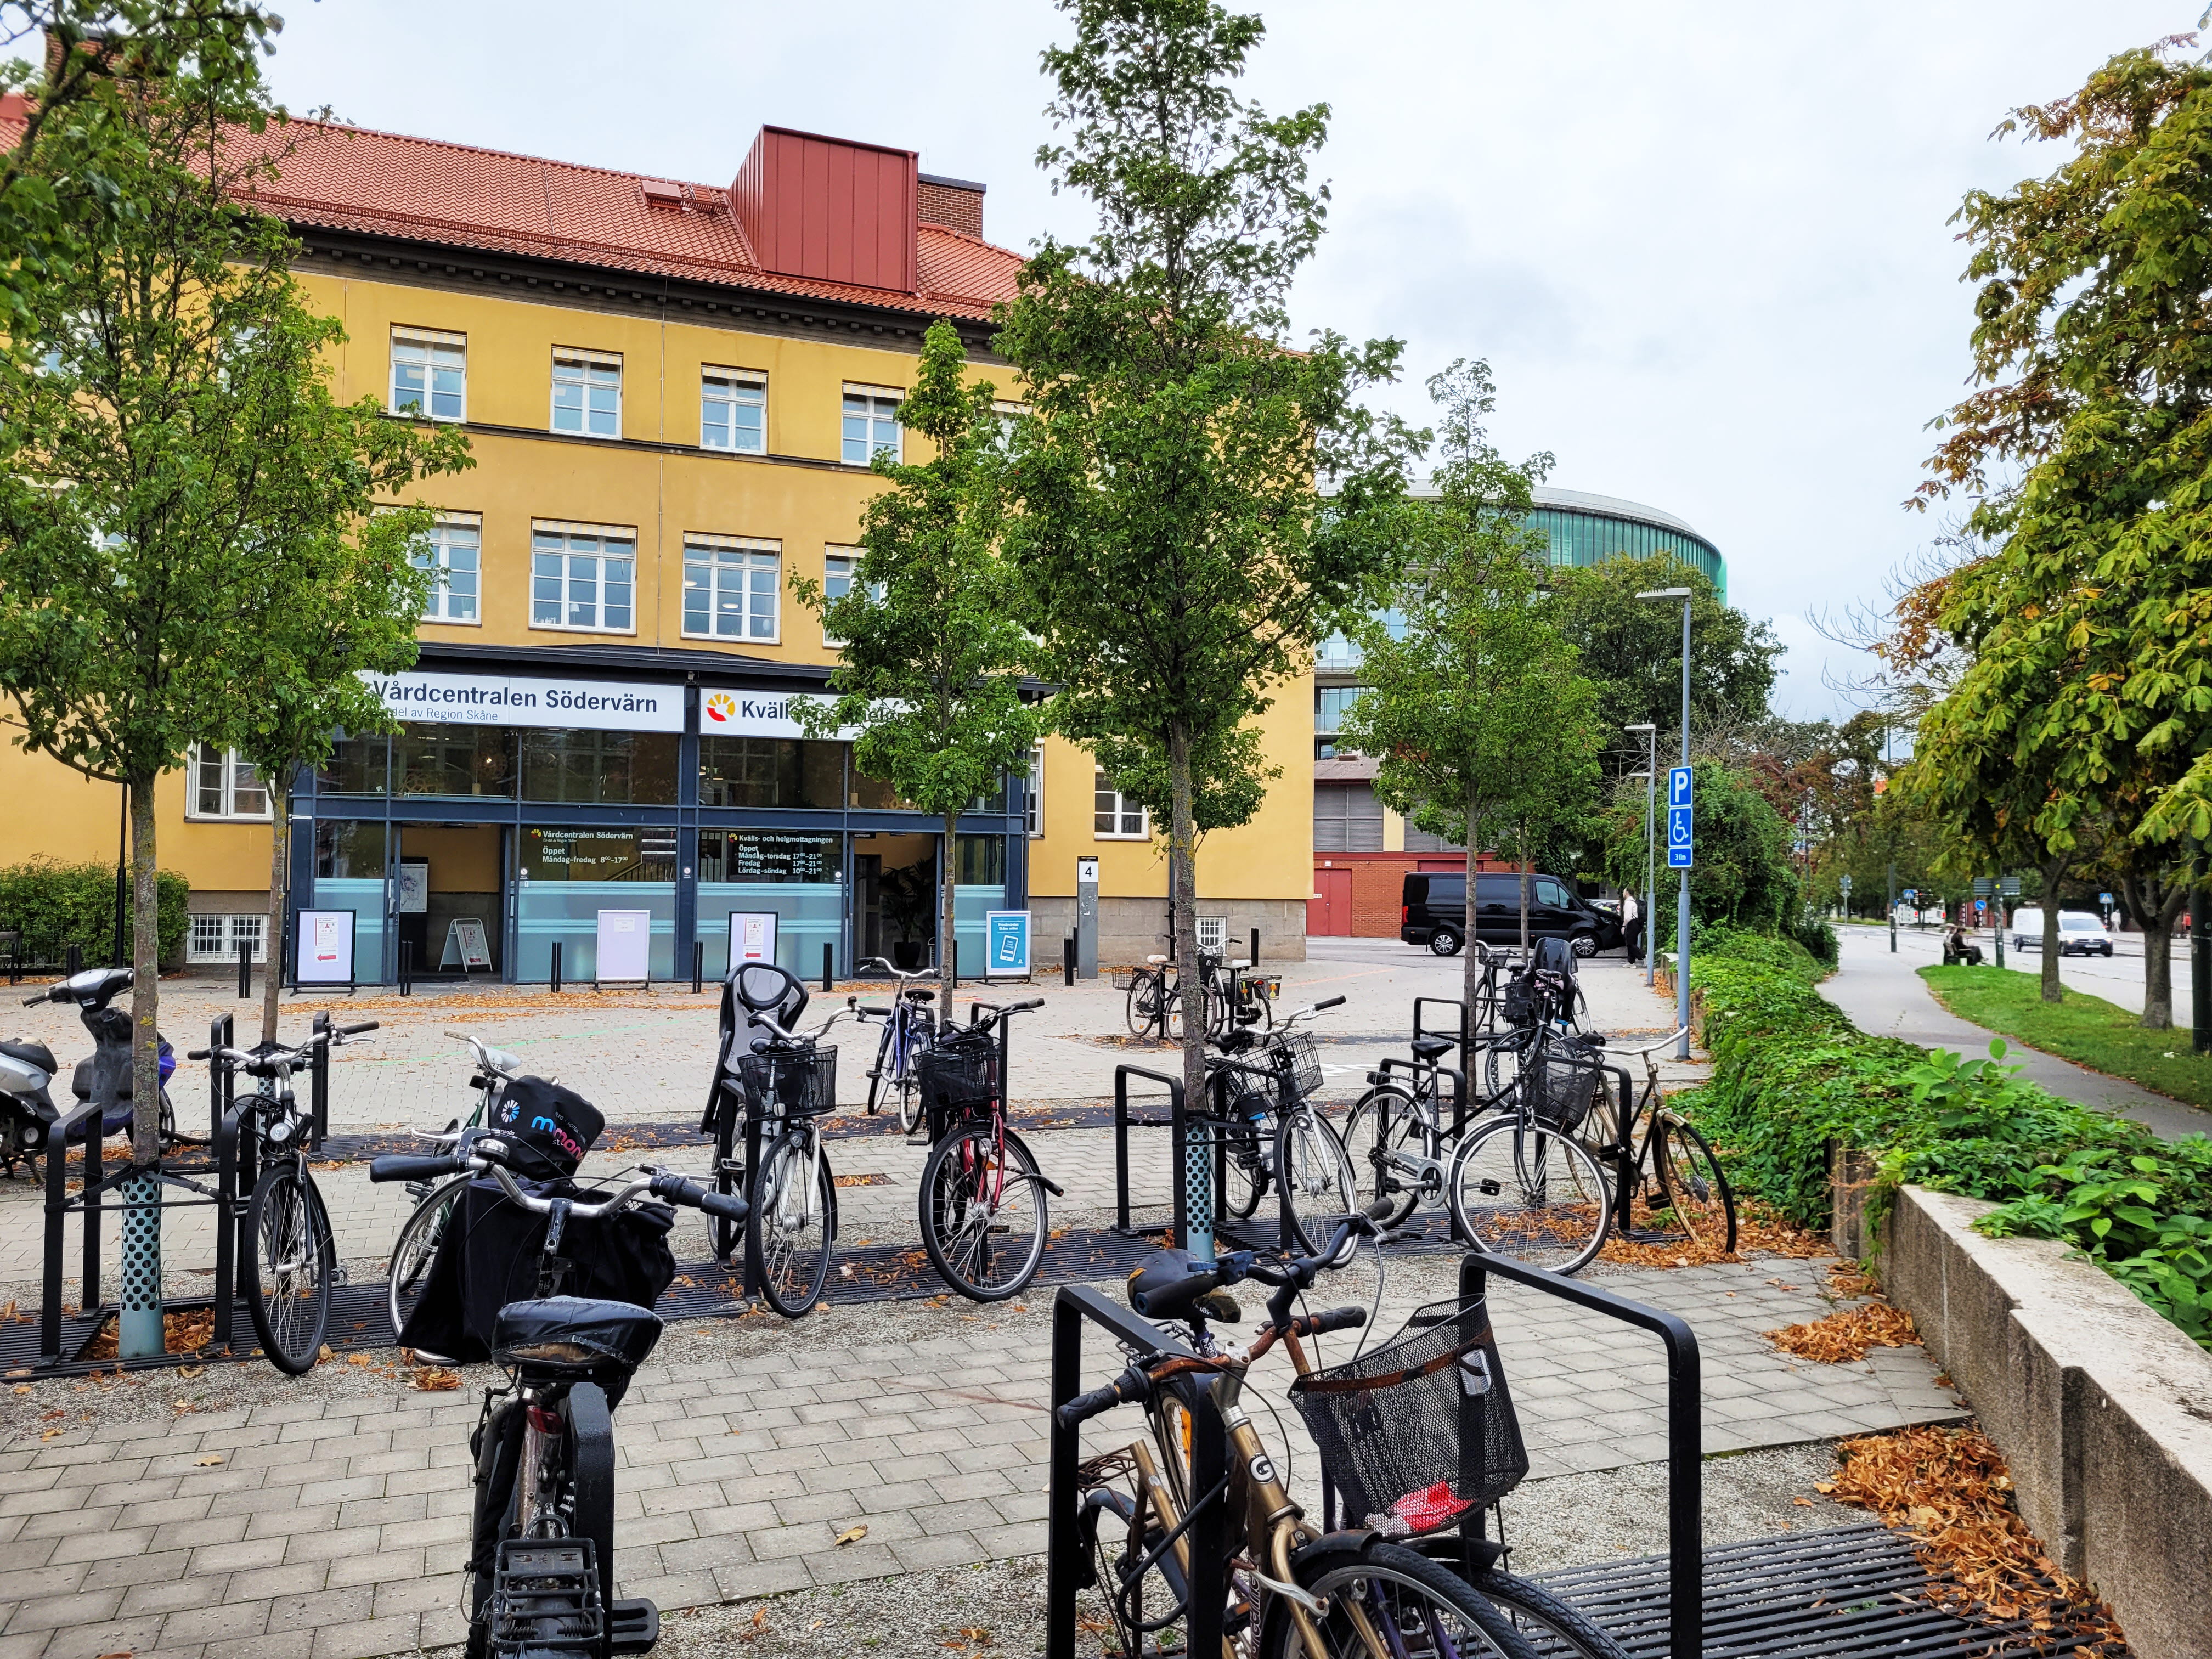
(954, 206)
(1378, 882)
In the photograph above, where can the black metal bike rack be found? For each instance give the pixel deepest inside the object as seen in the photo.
(1178, 1124)
(1209, 1528)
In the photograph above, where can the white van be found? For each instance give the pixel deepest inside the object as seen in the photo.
(2080, 932)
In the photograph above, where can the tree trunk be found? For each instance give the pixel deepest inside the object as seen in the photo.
(1527, 881)
(145, 991)
(2054, 872)
(272, 935)
(948, 966)
(1183, 897)
(2155, 903)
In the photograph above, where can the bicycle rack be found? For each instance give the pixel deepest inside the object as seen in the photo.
(1197, 1185)
(1208, 1535)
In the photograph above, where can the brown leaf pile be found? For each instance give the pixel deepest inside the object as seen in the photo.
(434, 1379)
(181, 1333)
(1847, 1334)
(1950, 1490)
(1759, 1230)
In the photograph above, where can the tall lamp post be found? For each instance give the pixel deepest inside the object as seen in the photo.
(1682, 899)
(1651, 843)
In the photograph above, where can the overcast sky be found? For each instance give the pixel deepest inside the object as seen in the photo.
(1702, 246)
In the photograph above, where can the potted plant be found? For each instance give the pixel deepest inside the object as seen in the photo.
(910, 895)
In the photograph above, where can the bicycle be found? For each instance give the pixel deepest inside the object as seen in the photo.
(541, 1555)
(1521, 1184)
(1670, 1168)
(288, 1261)
(1304, 1158)
(984, 1207)
(416, 1245)
(1155, 1001)
(1236, 998)
(908, 1032)
(1396, 1134)
(1292, 1590)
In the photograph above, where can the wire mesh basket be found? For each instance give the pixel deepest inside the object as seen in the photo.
(1561, 1088)
(795, 1084)
(1124, 978)
(1420, 1432)
(1296, 1066)
(958, 1080)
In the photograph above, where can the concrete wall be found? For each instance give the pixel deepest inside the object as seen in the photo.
(2104, 1410)
(1129, 930)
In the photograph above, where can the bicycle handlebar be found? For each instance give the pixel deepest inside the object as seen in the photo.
(1649, 1048)
(1132, 1384)
(414, 1166)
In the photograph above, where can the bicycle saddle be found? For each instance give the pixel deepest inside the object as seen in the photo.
(1433, 1047)
(573, 1337)
(920, 994)
(1155, 957)
(31, 1054)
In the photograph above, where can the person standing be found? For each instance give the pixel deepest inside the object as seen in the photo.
(1631, 925)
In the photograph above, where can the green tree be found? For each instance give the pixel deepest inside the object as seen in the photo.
(1744, 876)
(930, 669)
(1632, 649)
(1480, 724)
(178, 475)
(1179, 555)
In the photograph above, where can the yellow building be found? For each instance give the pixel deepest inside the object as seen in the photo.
(673, 392)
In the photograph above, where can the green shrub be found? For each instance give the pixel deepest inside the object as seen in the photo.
(53, 906)
(1791, 1076)
(1818, 939)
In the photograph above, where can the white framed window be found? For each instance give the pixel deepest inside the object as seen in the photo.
(224, 786)
(453, 552)
(1033, 793)
(216, 938)
(841, 566)
(1213, 934)
(871, 423)
(429, 373)
(733, 411)
(586, 392)
(583, 576)
(1116, 818)
(732, 588)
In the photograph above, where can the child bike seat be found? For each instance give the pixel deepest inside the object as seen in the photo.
(575, 1337)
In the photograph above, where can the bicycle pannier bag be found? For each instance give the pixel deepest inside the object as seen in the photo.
(550, 1127)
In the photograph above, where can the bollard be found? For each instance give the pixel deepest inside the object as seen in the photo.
(72, 962)
(1067, 960)
(1255, 947)
(245, 970)
(556, 981)
(698, 965)
(406, 967)
(828, 960)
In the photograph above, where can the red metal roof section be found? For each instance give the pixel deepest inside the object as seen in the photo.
(453, 196)
(829, 208)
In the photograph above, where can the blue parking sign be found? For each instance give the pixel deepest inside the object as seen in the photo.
(1680, 837)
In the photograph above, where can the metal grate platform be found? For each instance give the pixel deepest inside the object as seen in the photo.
(1849, 1593)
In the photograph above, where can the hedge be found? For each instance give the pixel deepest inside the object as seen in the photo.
(53, 906)
(1791, 1075)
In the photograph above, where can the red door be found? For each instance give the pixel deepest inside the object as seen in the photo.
(1328, 913)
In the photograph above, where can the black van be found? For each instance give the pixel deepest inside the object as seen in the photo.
(1434, 913)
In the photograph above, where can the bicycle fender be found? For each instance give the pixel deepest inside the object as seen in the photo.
(592, 1471)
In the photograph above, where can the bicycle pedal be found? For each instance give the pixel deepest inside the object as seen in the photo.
(546, 1596)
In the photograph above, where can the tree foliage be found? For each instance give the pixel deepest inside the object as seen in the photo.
(1179, 554)
(1743, 877)
(930, 666)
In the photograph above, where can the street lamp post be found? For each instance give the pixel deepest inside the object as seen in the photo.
(1651, 843)
(1682, 898)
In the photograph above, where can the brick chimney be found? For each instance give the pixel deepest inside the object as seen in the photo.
(952, 203)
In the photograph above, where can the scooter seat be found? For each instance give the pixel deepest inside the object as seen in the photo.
(31, 1054)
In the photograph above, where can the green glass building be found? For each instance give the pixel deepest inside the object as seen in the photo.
(1586, 530)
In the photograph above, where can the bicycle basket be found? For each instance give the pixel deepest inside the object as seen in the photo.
(1420, 1432)
(1123, 979)
(1296, 1064)
(957, 1081)
(802, 1084)
(1561, 1090)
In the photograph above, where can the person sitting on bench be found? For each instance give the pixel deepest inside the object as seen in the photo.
(1958, 948)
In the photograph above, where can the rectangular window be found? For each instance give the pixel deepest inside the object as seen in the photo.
(733, 411)
(731, 589)
(357, 766)
(217, 939)
(224, 786)
(841, 566)
(1116, 816)
(429, 373)
(1213, 933)
(600, 769)
(1033, 792)
(583, 576)
(588, 392)
(776, 856)
(435, 757)
(453, 553)
(769, 771)
(1347, 818)
(871, 425)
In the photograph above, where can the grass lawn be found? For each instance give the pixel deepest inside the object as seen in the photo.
(2085, 1029)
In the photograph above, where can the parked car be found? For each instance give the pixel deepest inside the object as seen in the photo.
(1433, 912)
(2080, 932)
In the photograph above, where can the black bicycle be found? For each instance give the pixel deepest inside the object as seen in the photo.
(908, 1032)
(290, 1260)
(541, 1550)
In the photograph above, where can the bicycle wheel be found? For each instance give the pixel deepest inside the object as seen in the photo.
(1319, 1185)
(1528, 1193)
(416, 1247)
(1243, 1164)
(1692, 1186)
(787, 1232)
(882, 1068)
(983, 1213)
(1386, 1122)
(1143, 1004)
(1551, 1627)
(286, 1273)
(1385, 1598)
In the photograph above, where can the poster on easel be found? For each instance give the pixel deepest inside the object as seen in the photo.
(752, 937)
(467, 946)
(625, 941)
(323, 951)
(1006, 945)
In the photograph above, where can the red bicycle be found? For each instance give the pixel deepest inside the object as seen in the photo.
(985, 1212)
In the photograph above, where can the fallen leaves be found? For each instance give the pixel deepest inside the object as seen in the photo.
(187, 1332)
(1847, 1334)
(434, 1379)
(1759, 1232)
(1950, 1488)
(852, 1535)
(188, 1372)
(214, 1462)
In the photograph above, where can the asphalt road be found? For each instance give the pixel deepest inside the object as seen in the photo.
(2119, 979)
(1884, 996)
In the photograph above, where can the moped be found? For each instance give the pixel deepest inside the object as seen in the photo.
(27, 1112)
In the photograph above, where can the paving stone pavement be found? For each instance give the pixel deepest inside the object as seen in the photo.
(334, 1528)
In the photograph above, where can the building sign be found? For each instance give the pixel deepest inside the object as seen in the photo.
(515, 700)
(752, 937)
(765, 855)
(757, 714)
(324, 954)
(561, 852)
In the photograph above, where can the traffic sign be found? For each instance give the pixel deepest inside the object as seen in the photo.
(1910, 894)
(2104, 898)
(2009, 887)
(1680, 838)
(1984, 886)
(1847, 883)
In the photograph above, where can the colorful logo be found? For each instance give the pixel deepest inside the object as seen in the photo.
(722, 706)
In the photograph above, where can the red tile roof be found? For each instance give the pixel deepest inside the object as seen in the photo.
(453, 196)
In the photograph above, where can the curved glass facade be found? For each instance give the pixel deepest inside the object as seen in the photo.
(1584, 536)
